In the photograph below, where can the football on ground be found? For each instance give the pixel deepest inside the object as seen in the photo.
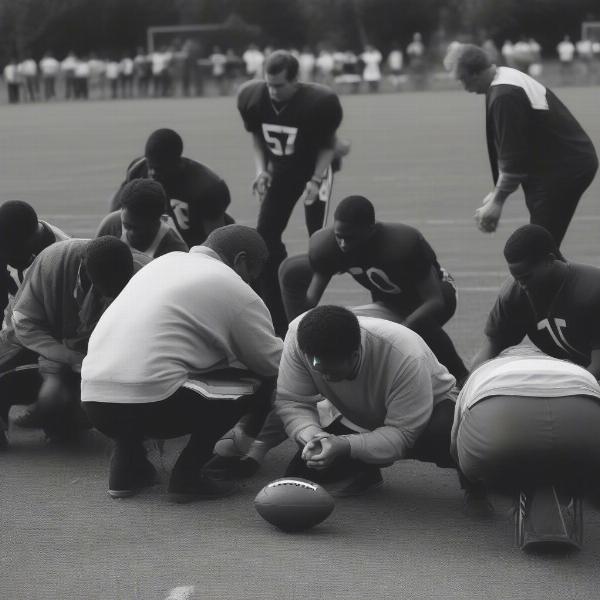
(293, 504)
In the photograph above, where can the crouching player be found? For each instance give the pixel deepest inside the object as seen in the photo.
(393, 400)
(198, 315)
(526, 420)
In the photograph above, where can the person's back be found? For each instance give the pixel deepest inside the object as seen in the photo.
(186, 325)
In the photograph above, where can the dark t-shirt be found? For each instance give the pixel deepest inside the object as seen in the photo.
(390, 265)
(569, 328)
(522, 139)
(195, 193)
(293, 132)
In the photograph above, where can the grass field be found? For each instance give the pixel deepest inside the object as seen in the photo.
(421, 159)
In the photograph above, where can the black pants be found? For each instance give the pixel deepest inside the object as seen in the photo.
(433, 445)
(295, 275)
(552, 199)
(184, 412)
(275, 211)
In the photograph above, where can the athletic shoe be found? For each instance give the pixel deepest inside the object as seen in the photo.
(200, 487)
(33, 418)
(130, 471)
(364, 481)
(476, 504)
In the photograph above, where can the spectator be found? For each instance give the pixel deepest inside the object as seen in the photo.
(566, 53)
(371, 58)
(306, 60)
(50, 69)
(142, 71)
(217, 69)
(12, 77)
(191, 76)
(29, 73)
(416, 61)
(395, 62)
(97, 81)
(161, 75)
(82, 79)
(522, 55)
(324, 67)
(536, 67)
(67, 66)
(253, 59)
(112, 76)
(508, 54)
(126, 76)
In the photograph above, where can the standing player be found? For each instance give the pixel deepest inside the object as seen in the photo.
(293, 126)
(533, 141)
(554, 302)
(197, 198)
(393, 261)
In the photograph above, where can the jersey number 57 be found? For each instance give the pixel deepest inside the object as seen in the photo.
(280, 138)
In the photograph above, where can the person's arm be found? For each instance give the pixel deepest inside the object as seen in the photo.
(432, 301)
(509, 113)
(490, 348)
(316, 289)
(262, 180)
(297, 395)
(254, 341)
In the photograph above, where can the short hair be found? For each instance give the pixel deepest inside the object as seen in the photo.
(144, 198)
(18, 222)
(164, 146)
(230, 240)
(357, 210)
(329, 331)
(531, 243)
(282, 60)
(468, 59)
(109, 264)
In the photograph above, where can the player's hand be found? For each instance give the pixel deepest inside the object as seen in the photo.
(261, 185)
(332, 448)
(313, 446)
(311, 193)
(488, 214)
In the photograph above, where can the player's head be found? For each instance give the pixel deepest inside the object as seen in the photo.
(108, 264)
(281, 75)
(143, 201)
(18, 228)
(353, 222)
(163, 152)
(242, 248)
(329, 336)
(531, 254)
(471, 65)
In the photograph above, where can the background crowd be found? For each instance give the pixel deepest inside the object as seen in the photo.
(181, 68)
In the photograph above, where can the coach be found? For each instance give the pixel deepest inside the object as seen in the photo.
(533, 141)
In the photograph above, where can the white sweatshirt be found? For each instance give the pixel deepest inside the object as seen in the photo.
(399, 381)
(190, 313)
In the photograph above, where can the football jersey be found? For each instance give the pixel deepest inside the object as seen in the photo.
(390, 264)
(569, 328)
(294, 131)
(529, 130)
(193, 194)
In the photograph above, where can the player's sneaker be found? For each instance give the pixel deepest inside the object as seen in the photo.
(362, 482)
(231, 467)
(476, 504)
(187, 487)
(130, 471)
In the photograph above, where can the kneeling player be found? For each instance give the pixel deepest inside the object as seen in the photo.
(393, 261)
(393, 400)
(525, 420)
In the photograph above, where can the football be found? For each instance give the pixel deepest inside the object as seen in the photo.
(293, 504)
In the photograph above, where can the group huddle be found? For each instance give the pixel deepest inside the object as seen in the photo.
(177, 321)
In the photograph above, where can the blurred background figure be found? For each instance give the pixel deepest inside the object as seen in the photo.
(29, 73)
(12, 78)
(82, 79)
(253, 59)
(395, 62)
(566, 54)
(415, 52)
(142, 72)
(371, 58)
(49, 68)
(507, 54)
(307, 62)
(324, 67)
(126, 76)
(112, 76)
(67, 66)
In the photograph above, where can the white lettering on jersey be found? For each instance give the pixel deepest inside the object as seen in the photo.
(378, 278)
(280, 138)
(559, 325)
(181, 212)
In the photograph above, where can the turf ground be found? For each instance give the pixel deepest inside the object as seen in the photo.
(421, 158)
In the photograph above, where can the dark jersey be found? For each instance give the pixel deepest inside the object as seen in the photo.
(530, 131)
(390, 265)
(194, 193)
(569, 328)
(294, 132)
